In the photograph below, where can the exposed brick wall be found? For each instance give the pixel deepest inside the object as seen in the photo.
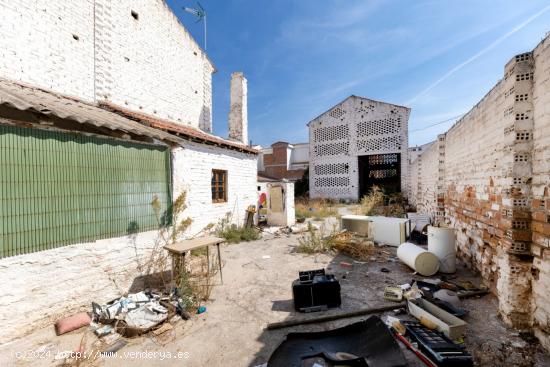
(493, 178)
(150, 64)
(540, 207)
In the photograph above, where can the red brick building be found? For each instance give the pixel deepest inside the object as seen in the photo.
(284, 160)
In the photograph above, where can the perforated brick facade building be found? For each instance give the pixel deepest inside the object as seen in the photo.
(357, 144)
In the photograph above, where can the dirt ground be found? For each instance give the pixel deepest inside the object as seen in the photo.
(257, 291)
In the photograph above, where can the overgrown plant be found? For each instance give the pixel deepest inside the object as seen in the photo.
(192, 282)
(315, 241)
(233, 233)
(378, 203)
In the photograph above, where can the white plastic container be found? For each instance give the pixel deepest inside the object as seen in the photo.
(441, 242)
(424, 262)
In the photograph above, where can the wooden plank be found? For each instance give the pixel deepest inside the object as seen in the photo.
(187, 245)
(304, 321)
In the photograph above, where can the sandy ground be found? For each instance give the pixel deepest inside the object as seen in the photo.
(256, 291)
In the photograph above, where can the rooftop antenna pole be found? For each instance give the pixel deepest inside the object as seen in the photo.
(200, 13)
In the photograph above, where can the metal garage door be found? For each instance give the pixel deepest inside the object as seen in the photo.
(60, 188)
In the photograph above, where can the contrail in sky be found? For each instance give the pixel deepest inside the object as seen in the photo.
(480, 53)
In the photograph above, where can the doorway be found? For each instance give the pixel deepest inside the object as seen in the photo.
(382, 170)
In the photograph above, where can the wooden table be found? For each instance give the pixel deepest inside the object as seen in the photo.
(179, 249)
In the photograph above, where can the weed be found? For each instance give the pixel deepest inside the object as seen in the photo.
(234, 234)
(378, 203)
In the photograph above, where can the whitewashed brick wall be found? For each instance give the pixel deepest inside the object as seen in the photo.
(153, 64)
(37, 44)
(150, 64)
(102, 270)
(192, 169)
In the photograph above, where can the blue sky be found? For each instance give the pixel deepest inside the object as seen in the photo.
(301, 57)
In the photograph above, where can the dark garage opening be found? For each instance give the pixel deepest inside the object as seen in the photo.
(382, 170)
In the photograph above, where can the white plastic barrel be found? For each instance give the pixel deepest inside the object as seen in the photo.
(424, 262)
(441, 242)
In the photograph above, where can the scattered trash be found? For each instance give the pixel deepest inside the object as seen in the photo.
(266, 257)
(71, 323)
(115, 347)
(110, 339)
(394, 294)
(314, 290)
(201, 309)
(447, 296)
(438, 347)
(104, 330)
(384, 270)
(413, 293)
(450, 325)
(424, 262)
(164, 328)
(347, 265)
(366, 343)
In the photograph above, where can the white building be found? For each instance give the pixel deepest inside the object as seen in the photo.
(357, 144)
(122, 94)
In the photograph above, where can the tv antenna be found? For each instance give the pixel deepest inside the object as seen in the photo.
(200, 13)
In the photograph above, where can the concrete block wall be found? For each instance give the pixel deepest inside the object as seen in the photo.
(133, 53)
(356, 126)
(493, 180)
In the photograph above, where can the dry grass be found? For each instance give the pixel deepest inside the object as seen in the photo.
(378, 203)
(357, 247)
(315, 208)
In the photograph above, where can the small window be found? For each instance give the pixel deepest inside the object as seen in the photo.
(219, 186)
(135, 15)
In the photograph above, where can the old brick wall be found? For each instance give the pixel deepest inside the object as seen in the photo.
(97, 50)
(540, 247)
(426, 181)
(492, 178)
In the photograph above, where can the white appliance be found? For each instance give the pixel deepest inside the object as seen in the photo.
(383, 230)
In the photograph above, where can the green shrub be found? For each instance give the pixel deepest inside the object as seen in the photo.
(234, 234)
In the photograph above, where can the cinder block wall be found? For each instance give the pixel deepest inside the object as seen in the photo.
(492, 185)
(98, 50)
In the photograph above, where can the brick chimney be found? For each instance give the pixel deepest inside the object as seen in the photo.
(238, 111)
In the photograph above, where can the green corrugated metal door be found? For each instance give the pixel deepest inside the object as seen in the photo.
(59, 188)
